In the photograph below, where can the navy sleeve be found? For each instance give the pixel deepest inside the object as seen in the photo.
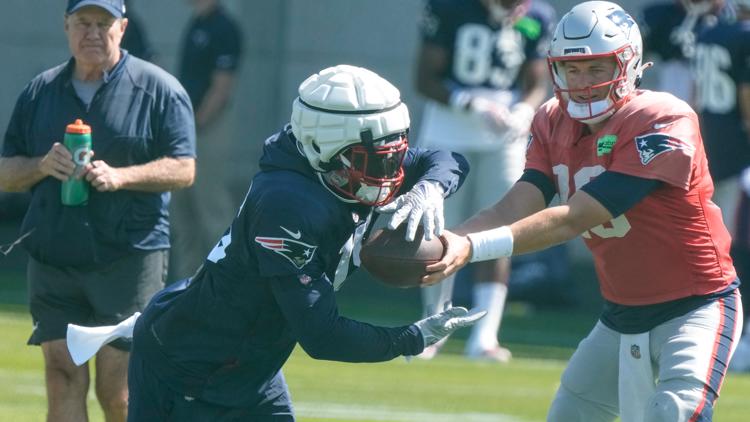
(285, 241)
(311, 312)
(447, 168)
(176, 137)
(13, 143)
(541, 181)
(618, 192)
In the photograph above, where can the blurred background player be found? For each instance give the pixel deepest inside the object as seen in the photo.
(669, 29)
(722, 77)
(481, 66)
(135, 39)
(722, 100)
(209, 60)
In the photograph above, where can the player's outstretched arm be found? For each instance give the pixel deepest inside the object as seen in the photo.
(538, 231)
(523, 200)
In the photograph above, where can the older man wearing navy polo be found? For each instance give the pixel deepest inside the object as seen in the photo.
(98, 263)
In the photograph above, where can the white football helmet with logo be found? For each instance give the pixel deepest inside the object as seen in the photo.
(596, 29)
(351, 125)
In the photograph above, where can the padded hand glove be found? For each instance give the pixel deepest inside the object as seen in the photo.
(423, 203)
(443, 324)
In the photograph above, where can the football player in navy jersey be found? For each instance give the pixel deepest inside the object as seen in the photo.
(212, 347)
(669, 29)
(481, 66)
(722, 65)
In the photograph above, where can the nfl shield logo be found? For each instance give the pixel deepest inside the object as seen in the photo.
(635, 351)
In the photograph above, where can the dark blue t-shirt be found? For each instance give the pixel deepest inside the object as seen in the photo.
(481, 52)
(269, 284)
(722, 65)
(212, 42)
(139, 114)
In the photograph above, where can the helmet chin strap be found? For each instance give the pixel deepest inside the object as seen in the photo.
(581, 112)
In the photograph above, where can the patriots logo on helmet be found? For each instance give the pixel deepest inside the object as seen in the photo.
(298, 253)
(622, 19)
(653, 144)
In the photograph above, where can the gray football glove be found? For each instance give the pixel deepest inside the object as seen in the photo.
(443, 324)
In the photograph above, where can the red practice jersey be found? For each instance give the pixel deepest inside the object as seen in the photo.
(673, 243)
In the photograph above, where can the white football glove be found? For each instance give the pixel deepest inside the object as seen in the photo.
(423, 203)
(443, 324)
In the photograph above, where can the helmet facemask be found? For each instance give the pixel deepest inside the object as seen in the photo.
(370, 172)
(620, 86)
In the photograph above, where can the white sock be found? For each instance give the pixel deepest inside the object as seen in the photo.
(437, 298)
(488, 296)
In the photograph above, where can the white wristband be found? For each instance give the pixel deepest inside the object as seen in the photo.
(491, 244)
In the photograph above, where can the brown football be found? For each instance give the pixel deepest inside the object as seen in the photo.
(390, 258)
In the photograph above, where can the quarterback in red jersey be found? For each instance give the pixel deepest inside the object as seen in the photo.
(633, 180)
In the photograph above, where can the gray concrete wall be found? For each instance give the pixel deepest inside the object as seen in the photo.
(285, 41)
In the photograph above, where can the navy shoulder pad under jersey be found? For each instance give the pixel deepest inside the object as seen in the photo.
(483, 52)
(722, 64)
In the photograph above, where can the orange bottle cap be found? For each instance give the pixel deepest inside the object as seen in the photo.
(78, 127)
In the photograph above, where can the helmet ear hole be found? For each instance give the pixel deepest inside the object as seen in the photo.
(316, 147)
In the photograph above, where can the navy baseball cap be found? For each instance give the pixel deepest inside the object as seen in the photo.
(115, 8)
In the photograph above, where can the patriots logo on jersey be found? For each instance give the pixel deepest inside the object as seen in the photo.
(622, 19)
(653, 144)
(298, 253)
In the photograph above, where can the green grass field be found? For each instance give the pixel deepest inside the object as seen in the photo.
(448, 388)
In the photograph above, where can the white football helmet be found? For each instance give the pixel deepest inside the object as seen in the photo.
(352, 126)
(596, 29)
